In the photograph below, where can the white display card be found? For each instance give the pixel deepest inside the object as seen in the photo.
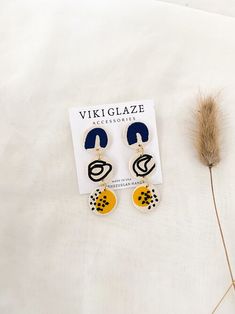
(114, 118)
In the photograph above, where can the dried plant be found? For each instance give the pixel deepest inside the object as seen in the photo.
(207, 143)
(207, 131)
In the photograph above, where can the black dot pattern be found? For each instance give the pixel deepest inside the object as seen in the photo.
(97, 203)
(149, 199)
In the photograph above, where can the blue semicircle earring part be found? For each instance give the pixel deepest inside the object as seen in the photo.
(133, 129)
(90, 140)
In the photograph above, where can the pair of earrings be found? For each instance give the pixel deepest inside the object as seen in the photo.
(103, 200)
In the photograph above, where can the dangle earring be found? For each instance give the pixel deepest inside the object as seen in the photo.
(103, 200)
(145, 197)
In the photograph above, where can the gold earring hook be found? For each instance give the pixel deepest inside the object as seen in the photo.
(140, 149)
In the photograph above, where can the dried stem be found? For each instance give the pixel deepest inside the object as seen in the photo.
(220, 228)
(223, 242)
(207, 143)
(221, 300)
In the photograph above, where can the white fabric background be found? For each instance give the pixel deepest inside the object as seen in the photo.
(56, 257)
(226, 7)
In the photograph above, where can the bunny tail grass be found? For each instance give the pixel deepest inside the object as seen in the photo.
(207, 143)
(207, 132)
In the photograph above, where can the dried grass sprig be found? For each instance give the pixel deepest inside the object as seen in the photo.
(207, 143)
(207, 133)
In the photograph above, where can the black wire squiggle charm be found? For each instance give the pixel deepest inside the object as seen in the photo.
(98, 170)
(143, 165)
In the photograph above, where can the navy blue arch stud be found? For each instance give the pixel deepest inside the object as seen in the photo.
(133, 129)
(91, 138)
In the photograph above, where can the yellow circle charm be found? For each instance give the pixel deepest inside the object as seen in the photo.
(102, 201)
(145, 197)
